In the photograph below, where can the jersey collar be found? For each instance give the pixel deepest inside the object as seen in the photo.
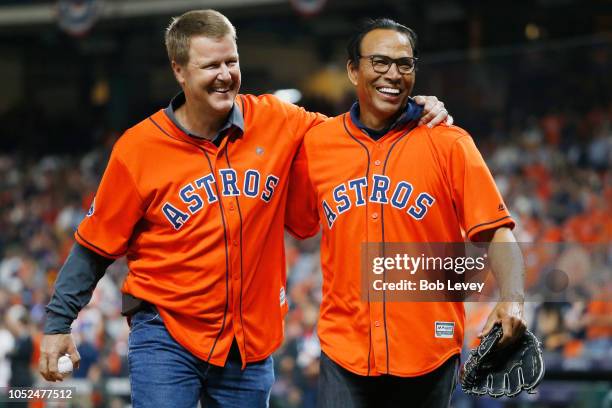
(412, 112)
(234, 120)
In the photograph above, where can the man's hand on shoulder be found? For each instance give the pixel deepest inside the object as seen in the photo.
(434, 112)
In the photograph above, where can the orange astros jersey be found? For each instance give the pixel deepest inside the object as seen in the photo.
(412, 185)
(202, 226)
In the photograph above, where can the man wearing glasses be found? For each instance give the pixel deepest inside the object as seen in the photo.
(373, 175)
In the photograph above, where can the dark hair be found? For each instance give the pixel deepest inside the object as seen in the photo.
(353, 47)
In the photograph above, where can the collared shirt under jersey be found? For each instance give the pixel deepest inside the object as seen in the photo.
(234, 119)
(412, 111)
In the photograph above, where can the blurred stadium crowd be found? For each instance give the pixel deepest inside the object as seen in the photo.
(542, 122)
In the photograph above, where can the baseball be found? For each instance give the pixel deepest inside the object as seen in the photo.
(64, 365)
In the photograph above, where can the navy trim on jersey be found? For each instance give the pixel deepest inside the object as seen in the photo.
(411, 125)
(486, 223)
(212, 349)
(234, 120)
(241, 277)
(107, 254)
(366, 194)
(412, 111)
(157, 125)
(242, 105)
(242, 108)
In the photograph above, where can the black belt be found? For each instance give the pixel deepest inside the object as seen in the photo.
(131, 304)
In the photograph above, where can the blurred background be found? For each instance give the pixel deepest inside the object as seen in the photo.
(530, 80)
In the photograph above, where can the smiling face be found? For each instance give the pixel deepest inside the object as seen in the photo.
(211, 76)
(381, 96)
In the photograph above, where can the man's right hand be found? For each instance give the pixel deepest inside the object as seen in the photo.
(52, 347)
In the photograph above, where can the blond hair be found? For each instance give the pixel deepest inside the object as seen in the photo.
(207, 23)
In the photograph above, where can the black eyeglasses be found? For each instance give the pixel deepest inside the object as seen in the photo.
(382, 64)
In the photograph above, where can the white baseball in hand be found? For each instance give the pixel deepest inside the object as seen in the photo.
(64, 365)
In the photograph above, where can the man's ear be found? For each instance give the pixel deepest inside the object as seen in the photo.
(351, 70)
(178, 71)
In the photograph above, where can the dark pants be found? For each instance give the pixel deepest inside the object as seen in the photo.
(339, 388)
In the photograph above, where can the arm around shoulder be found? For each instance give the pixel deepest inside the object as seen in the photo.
(301, 215)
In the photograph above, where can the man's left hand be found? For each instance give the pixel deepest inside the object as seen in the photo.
(434, 111)
(510, 315)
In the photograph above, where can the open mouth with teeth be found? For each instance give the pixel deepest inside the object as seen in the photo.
(221, 90)
(388, 91)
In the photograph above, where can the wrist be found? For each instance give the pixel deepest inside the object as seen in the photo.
(512, 296)
(57, 324)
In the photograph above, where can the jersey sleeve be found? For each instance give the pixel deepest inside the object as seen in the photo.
(115, 210)
(302, 120)
(477, 200)
(301, 215)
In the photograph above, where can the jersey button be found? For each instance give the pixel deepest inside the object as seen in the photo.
(231, 207)
(377, 323)
(377, 162)
(375, 215)
(235, 242)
